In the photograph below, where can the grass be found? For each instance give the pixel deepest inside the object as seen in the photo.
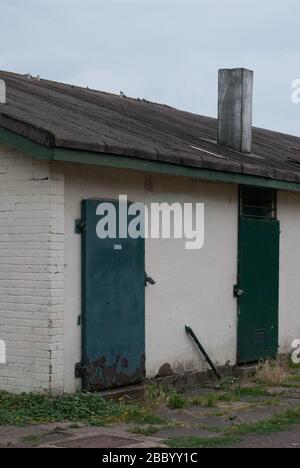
(27, 409)
(234, 434)
(290, 385)
(257, 391)
(74, 426)
(292, 381)
(177, 401)
(291, 364)
(92, 409)
(32, 439)
(294, 378)
(272, 372)
(146, 431)
(277, 423)
(202, 442)
(211, 400)
(158, 394)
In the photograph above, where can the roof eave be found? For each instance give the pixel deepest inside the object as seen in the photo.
(40, 152)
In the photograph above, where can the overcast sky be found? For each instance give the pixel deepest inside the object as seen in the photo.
(163, 50)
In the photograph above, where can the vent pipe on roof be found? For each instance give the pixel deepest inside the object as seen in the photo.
(2, 92)
(235, 109)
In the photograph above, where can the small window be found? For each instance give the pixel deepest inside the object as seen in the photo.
(258, 203)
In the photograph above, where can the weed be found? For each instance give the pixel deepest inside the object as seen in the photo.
(293, 381)
(257, 391)
(233, 434)
(272, 372)
(32, 439)
(202, 442)
(294, 378)
(291, 364)
(290, 385)
(176, 400)
(156, 394)
(277, 423)
(146, 431)
(74, 426)
(212, 400)
(226, 383)
(25, 409)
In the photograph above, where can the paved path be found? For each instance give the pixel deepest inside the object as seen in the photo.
(64, 436)
(68, 436)
(212, 417)
(286, 439)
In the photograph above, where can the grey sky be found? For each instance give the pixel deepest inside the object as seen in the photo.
(164, 50)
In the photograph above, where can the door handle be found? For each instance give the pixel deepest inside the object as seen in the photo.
(149, 280)
(237, 291)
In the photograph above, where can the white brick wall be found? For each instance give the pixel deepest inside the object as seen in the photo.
(31, 273)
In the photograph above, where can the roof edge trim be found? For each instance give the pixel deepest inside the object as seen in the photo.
(29, 147)
(37, 151)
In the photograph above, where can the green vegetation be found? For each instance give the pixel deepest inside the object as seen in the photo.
(258, 391)
(291, 364)
(32, 440)
(234, 433)
(292, 381)
(146, 430)
(176, 400)
(74, 426)
(157, 394)
(142, 416)
(277, 423)
(26, 409)
(272, 372)
(202, 442)
(212, 399)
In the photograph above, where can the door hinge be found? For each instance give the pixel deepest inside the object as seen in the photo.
(80, 370)
(79, 226)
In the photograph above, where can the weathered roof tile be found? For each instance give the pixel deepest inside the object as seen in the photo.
(59, 115)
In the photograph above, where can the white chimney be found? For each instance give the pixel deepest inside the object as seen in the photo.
(235, 109)
(2, 92)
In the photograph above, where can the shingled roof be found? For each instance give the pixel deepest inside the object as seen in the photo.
(57, 115)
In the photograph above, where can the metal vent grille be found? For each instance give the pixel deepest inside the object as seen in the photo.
(259, 336)
(258, 203)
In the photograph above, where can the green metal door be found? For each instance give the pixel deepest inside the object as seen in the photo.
(113, 280)
(257, 290)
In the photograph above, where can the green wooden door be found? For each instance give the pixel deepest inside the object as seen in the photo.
(113, 280)
(258, 273)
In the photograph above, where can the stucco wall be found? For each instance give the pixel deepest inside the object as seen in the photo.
(39, 305)
(289, 291)
(31, 273)
(192, 287)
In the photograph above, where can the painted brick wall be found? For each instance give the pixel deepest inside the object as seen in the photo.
(31, 273)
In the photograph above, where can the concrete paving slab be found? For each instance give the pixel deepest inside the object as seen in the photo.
(287, 439)
(195, 431)
(102, 441)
